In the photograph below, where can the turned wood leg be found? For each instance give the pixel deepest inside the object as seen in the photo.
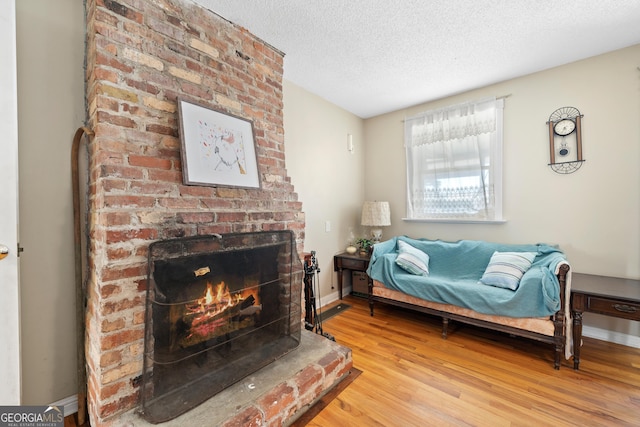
(559, 339)
(577, 338)
(370, 289)
(558, 355)
(445, 326)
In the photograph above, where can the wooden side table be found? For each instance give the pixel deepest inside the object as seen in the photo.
(610, 296)
(345, 261)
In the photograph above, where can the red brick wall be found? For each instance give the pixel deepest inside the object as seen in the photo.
(141, 57)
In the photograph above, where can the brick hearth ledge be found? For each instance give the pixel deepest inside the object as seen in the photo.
(276, 395)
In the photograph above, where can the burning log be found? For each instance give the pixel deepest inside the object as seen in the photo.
(214, 316)
(231, 320)
(250, 311)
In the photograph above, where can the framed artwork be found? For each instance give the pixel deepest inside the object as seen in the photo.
(218, 149)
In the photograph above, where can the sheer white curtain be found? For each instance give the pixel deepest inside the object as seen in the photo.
(454, 157)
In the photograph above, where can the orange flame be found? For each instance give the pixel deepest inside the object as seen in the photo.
(203, 313)
(208, 296)
(221, 298)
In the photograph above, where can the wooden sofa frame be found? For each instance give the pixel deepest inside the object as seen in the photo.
(558, 339)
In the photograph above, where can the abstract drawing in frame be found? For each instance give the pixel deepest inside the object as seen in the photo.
(218, 149)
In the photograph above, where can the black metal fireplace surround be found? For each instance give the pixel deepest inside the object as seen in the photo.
(218, 308)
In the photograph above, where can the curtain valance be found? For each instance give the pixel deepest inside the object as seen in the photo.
(451, 123)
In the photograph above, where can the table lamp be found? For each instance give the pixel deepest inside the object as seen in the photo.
(376, 215)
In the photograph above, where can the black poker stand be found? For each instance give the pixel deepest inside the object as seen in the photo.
(312, 322)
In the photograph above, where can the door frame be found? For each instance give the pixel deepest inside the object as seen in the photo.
(10, 357)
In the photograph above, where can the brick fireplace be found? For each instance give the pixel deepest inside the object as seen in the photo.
(142, 55)
(219, 308)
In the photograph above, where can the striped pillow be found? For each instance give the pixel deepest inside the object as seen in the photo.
(412, 260)
(505, 269)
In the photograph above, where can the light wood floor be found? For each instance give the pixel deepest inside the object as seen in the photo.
(412, 377)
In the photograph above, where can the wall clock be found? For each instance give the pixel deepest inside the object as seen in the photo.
(565, 140)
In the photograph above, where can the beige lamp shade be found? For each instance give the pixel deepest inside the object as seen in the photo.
(376, 215)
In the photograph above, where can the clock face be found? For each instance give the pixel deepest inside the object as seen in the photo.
(564, 127)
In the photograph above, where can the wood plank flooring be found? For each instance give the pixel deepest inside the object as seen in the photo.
(412, 377)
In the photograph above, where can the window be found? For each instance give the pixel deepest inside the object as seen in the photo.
(454, 163)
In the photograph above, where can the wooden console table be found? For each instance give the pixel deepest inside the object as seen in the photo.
(610, 296)
(345, 261)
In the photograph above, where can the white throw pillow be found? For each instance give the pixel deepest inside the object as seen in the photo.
(505, 269)
(412, 260)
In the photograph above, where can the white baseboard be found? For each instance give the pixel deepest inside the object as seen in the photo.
(611, 336)
(70, 405)
(334, 296)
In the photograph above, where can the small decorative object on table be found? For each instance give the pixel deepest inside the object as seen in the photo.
(351, 243)
(365, 245)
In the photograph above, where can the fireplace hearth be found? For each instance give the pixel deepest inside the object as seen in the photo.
(219, 308)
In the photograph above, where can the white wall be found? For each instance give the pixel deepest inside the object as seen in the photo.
(328, 178)
(593, 214)
(50, 39)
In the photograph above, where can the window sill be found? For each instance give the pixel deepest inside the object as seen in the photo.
(455, 221)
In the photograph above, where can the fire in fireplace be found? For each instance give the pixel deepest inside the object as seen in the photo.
(216, 314)
(218, 309)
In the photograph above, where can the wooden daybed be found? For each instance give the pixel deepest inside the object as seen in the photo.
(552, 329)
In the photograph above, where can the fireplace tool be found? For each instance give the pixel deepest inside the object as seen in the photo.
(312, 322)
(80, 237)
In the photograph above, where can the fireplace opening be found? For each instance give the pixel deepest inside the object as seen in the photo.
(218, 308)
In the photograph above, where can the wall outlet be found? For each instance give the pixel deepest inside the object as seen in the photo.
(327, 226)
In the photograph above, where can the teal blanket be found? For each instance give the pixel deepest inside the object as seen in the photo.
(456, 267)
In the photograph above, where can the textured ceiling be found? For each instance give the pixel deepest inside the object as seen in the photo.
(375, 56)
